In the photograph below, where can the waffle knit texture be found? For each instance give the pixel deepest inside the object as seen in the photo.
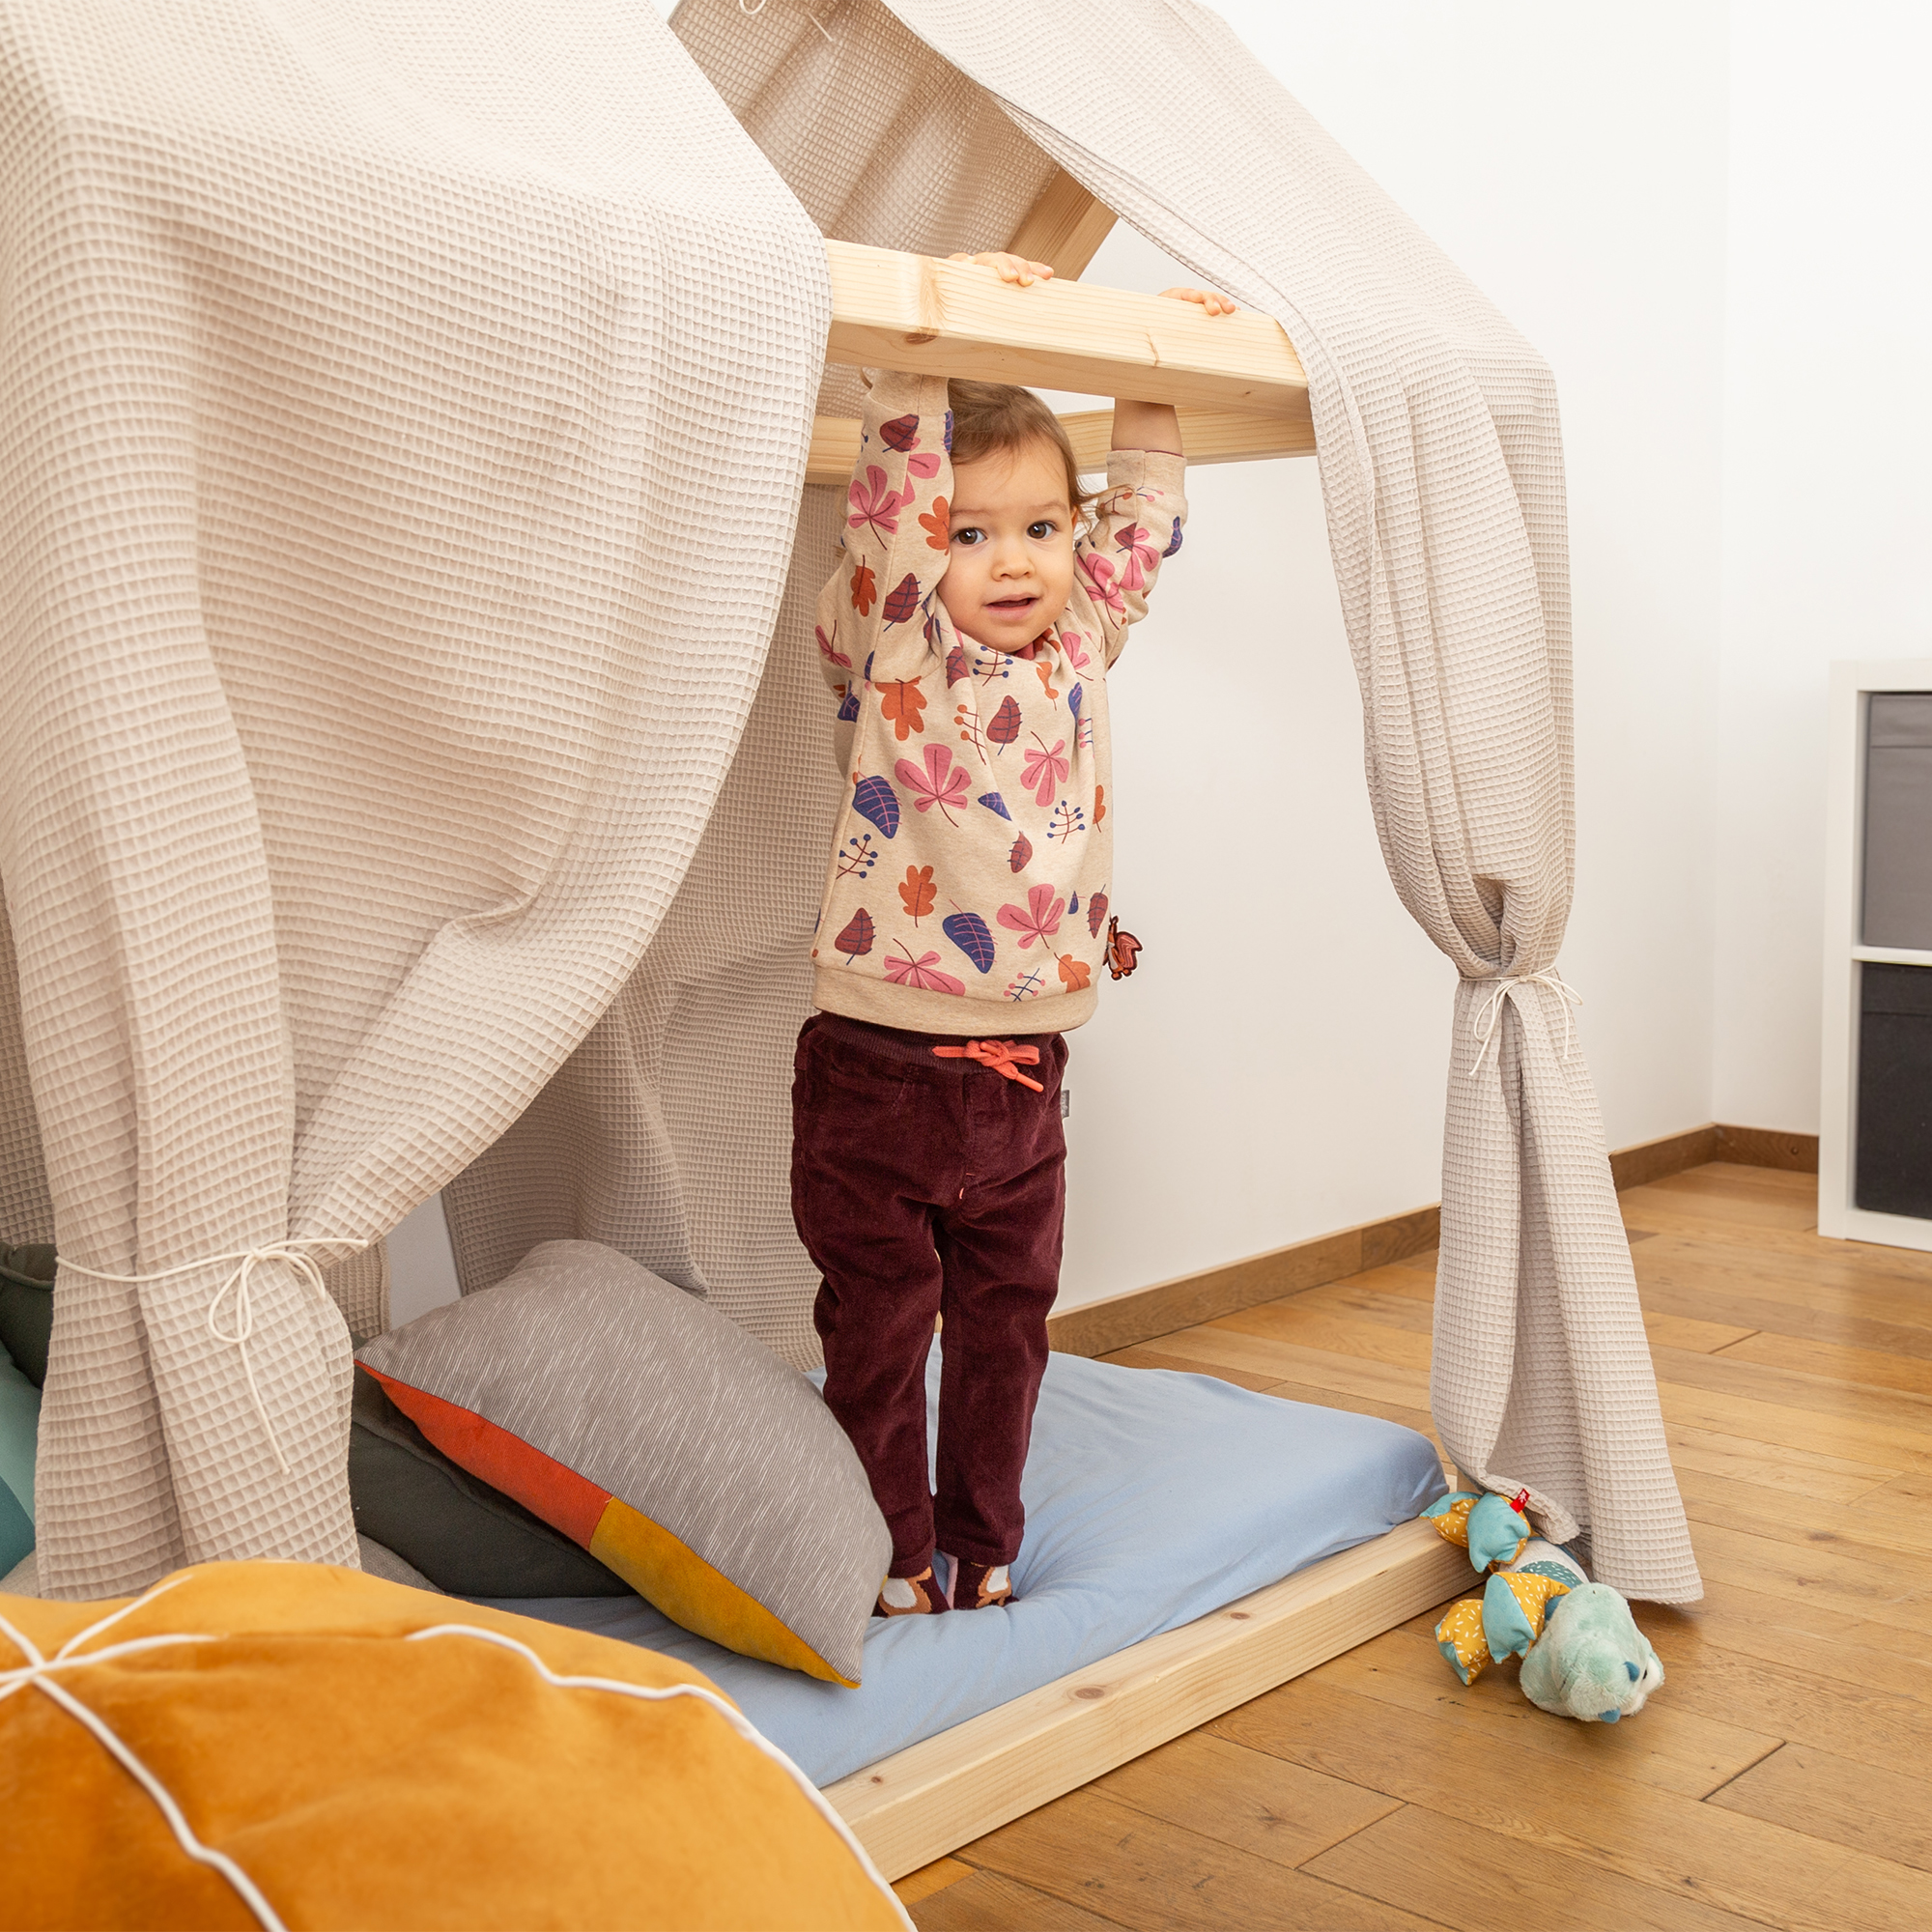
(967, 887)
(389, 542)
(403, 409)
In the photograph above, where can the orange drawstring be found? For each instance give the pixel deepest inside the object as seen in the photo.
(1001, 1054)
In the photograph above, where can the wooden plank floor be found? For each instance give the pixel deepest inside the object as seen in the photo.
(1783, 1775)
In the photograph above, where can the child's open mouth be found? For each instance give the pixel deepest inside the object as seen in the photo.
(1016, 605)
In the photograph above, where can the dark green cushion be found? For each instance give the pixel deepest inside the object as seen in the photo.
(464, 1536)
(27, 1308)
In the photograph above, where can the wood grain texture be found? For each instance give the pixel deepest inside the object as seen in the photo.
(1276, 1810)
(928, 1799)
(933, 318)
(1614, 1823)
(1824, 1797)
(1144, 1872)
(1206, 436)
(1098, 1327)
(1462, 1875)
(1782, 1775)
(1064, 228)
(989, 1902)
(1766, 1147)
(1119, 1321)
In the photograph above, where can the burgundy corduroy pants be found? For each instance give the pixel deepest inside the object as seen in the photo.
(925, 1186)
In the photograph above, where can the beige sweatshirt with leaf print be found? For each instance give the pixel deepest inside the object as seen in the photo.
(969, 885)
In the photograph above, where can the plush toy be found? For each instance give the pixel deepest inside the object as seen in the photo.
(1583, 1654)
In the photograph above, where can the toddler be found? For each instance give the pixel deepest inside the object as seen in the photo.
(968, 634)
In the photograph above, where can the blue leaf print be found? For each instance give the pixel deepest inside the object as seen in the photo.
(1073, 905)
(849, 709)
(971, 933)
(1076, 698)
(993, 802)
(949, 431)
(874, 799)
(867, 672)
(1176, 544)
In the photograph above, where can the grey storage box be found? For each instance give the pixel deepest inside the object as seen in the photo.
(1894, 1110)
(1899, 820)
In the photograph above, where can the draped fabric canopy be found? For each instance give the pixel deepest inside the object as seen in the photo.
(392, 536)
(403, 408)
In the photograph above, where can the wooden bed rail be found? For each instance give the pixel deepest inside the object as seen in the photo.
(1236, 380)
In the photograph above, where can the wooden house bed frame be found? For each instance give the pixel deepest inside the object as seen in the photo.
(1241, 395)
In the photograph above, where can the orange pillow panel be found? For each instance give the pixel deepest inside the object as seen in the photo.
(662, 1570)
(362, 1780)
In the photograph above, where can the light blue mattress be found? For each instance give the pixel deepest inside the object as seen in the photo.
(1152, 1498)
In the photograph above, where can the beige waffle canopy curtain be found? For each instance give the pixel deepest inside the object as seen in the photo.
(406, 408)
(934, 125)
(403, 407)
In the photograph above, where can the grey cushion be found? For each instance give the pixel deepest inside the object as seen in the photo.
(464, 1536)
(658, 1436)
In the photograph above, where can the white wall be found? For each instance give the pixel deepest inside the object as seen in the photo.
(1828, 493)
(1276, 1069)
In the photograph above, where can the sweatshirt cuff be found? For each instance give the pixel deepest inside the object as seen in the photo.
(1146, 469)
(892, 392)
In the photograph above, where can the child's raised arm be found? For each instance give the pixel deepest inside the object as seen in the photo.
(1154, 425)
(874, 618)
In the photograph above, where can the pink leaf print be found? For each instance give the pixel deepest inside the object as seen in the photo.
(1141, 557)
(828, 648)
(1099, 576)
(1045, 771)
(922, 973)
(941, 782)
(1075, 647)
(1038, 918)
(876, 502)
(924, 464)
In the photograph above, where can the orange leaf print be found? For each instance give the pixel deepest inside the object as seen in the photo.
(1100, 803)
(1043, 669)
(918, 892)
(864, 589)
(1075, 973)
(903, 702)
(937, 523)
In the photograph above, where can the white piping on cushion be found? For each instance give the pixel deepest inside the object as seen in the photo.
(724, 1707)
(39, 1671)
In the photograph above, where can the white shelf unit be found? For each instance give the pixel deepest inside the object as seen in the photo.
(1853, 683)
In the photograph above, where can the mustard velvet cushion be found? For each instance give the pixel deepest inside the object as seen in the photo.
(356, 1774)
(657, 1435)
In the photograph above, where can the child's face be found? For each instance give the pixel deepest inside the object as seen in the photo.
(1011, 571)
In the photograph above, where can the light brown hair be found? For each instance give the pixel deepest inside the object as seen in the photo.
(990, 417)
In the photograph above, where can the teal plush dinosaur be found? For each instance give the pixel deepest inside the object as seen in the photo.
(1583, 1654)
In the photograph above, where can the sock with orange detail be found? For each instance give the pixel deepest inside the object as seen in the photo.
(978, 1586)
(910, 1596)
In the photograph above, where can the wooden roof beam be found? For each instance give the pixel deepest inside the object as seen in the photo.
(1208, 435)
(1064, 228)
(897, 311)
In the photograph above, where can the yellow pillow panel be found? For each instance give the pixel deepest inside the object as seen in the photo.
(365, 1776)
(671, 1575)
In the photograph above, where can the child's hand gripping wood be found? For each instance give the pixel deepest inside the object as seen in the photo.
(1137, 425)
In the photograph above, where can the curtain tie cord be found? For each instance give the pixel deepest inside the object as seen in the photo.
(1483, 1022)
(237, 1284)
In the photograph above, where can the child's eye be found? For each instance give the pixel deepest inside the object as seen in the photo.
(969, 536)
(1041, 530)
